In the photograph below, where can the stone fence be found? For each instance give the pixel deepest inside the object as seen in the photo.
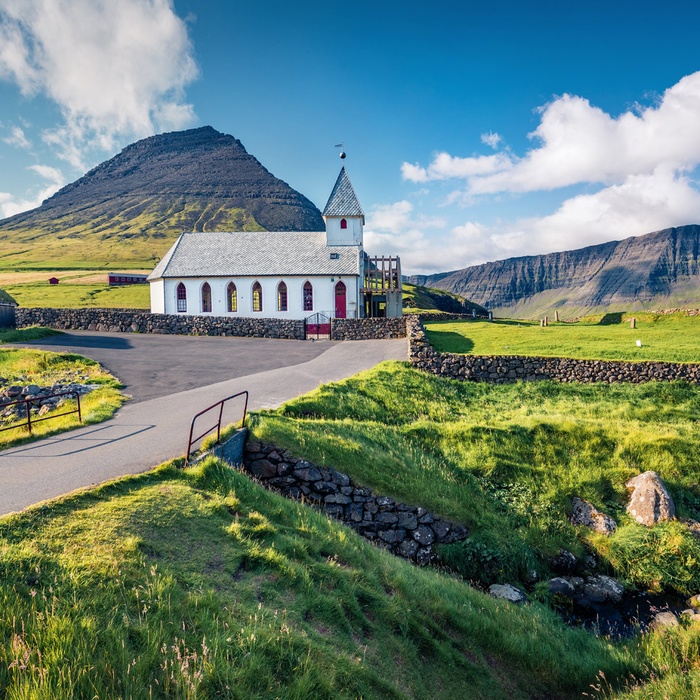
(407, 531)
(368, 328)
(140, 321)
(505, 369)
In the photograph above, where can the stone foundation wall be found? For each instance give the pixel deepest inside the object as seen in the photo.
(505, 369)
(368, 328)
(140, 321)
(407, 531)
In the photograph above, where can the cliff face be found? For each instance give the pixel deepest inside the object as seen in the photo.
(131, 207)
(643, 271)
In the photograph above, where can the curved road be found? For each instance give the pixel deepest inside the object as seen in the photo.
(148, 431)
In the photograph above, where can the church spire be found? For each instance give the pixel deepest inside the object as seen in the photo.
(343, 200)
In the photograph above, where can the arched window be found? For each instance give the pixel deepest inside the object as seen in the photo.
(308, 296)
(181, 298)
(206, 298)
(343, 223)
(231, 297)
(257, 297)
(281, 297)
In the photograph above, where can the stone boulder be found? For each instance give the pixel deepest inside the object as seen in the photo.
(506, 591)
(664, 619)
(585, 513)
(650, 502)
(599, 589)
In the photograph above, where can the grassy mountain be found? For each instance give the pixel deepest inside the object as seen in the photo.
(130, 209)
(418, 298)
(660, 269)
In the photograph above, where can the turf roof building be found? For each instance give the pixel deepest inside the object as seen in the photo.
(281, 274)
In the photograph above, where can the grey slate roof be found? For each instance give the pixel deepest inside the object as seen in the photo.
(343, 200)
(258, 254)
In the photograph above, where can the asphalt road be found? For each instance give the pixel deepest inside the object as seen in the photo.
(151, 366)
(147, 432)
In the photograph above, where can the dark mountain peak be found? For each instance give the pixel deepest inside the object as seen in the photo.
(198, 179)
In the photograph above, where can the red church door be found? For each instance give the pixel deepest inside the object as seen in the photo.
(340, 307)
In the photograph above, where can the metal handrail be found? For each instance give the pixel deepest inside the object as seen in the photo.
(28, 402)
(217, 426)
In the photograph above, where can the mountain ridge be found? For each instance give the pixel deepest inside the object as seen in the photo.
(131, 207)
(662, 267)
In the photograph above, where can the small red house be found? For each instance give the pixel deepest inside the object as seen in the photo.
(53, 280)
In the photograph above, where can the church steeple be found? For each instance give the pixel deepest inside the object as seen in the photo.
(343, 214)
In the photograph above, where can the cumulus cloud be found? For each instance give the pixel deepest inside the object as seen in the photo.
(116, 70)
(445, 166)
(11, 204)
(491, 139)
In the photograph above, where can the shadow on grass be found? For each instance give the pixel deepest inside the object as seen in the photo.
(449, 341)
(611, 319)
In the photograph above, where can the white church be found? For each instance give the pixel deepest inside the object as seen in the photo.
(281, 274)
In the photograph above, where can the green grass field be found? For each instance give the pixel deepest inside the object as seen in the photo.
(674, 338)
(67, 295)
(25, 366)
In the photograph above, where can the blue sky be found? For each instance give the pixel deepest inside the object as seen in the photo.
(475, 131)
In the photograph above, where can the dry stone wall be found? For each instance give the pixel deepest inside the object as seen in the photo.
(140, 321)
(505, 369)
(407, 531)
(368, 328)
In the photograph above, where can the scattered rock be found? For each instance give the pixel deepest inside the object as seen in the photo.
(694, 601)
(650, 502)
(693, 526)
(506, 591)
(560, 586)
(263, 469)
(585, 513)
(601, 588)
(565, 562)
(664, 619)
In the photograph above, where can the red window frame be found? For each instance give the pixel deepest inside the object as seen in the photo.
(231, 298)
(308, 294)
(257, 298)
(181, 295)
(281, 297)
(206, 298)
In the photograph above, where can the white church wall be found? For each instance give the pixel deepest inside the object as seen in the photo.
(323, 296)
(352, 235)
(157, 297)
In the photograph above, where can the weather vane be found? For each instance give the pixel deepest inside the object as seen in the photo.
(342, 152)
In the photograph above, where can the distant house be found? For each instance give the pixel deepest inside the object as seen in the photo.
(117, 279)
(281, 274)
(53, 280)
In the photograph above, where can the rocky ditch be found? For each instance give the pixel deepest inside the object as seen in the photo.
(599, 602)
(408, 531)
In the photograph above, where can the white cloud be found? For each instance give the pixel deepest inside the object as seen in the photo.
(445, 166)
(17, 138)
(10, 204)
(491, 139)
(116, 70)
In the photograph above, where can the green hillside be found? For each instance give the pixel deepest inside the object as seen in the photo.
(418, 298)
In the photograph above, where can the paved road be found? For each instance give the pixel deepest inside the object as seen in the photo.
(145, 433)
(150, 366)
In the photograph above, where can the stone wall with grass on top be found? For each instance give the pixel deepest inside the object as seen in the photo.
(140, 321)
(505, 369)
(407, 531)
